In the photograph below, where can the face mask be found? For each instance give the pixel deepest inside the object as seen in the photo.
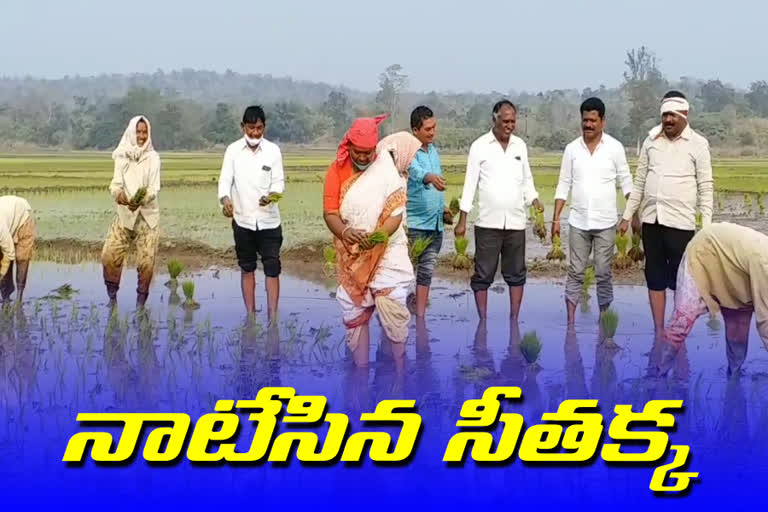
(361, 167)
(252, 142)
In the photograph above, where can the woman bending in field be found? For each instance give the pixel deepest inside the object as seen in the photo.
(364, 193)
(134, 187)
(724, 268)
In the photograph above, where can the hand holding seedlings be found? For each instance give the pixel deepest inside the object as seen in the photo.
(454, 206)
(557, 251)
(138, 199)
(376, 238)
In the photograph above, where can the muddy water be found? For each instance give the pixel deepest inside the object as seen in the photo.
(451, 340)
(67, 356)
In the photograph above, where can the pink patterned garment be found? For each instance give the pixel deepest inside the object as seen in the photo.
(689, 305)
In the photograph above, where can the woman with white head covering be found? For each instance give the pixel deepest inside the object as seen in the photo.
(135, 186)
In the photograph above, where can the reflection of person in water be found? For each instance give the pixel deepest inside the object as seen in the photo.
(513, 365)
(575, 382)
(724, 268)
(482, 356)
(259, 363)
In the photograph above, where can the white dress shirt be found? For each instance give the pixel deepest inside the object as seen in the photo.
(504, 180)
(592, 179)
(246, 177)
(673, 178)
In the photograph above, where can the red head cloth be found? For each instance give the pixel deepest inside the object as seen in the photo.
(364, 133)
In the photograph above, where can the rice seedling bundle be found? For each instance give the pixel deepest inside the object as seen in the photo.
(636, 253)
(557, 251)
(418, 247)
(622, 260)
(461, 261)
(530, 347)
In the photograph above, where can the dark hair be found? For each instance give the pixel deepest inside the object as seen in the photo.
(591, 104)
(254, 114)
(419, 115)
(674, 94)
(503, 103)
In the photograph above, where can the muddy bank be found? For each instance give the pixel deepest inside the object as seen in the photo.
(304, 261)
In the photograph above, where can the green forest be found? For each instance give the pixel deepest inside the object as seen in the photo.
(200, 110)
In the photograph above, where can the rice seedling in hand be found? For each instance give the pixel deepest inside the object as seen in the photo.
(636, 254)
(609, 321)
(274, 197)
(461, 261)
(539, 229)
(329, 259)
(699, 221)
(418, 247)
(189, 293)
(530, 347)
(378, 237)
(557, 251)
(139, 196)
(454, 206)
(622, 260)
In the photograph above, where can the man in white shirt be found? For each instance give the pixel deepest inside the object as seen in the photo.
(673, 179)
(592, 167)
(17, 241)
(252, 170)
(498, 165)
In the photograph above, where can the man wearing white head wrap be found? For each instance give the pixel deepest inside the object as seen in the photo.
(673, 180)
(134, 187)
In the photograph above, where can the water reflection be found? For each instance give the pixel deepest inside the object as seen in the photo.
(575, 379)
(63, 357)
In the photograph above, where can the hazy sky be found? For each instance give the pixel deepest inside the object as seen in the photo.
(478, 45)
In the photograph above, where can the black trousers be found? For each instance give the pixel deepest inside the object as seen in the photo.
(664, 249)
(264, 243)
(489, 245)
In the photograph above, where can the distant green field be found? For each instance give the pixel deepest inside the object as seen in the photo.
(91, 171)
(69, 191)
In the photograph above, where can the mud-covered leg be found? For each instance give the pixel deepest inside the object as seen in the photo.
(21, 278)
(737, 324)
(146, 250)
(6, 284)
(112, 257)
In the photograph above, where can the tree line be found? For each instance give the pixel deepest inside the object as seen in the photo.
(197, 110)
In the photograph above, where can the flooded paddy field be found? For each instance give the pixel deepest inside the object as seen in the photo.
(65, 352)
